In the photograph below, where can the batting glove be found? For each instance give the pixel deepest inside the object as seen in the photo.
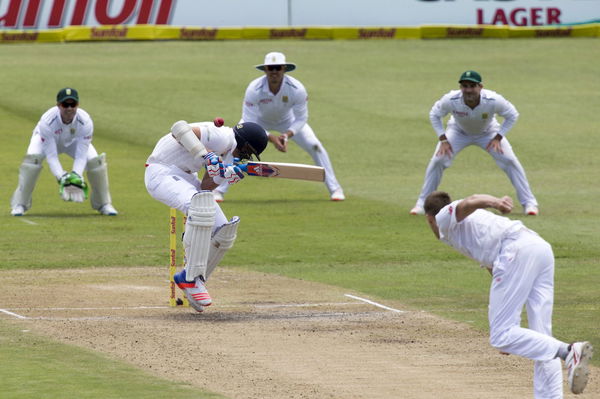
(233, 174)
(214, 164)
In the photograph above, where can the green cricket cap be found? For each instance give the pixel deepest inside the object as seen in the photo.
(471, 76)
(67, 94)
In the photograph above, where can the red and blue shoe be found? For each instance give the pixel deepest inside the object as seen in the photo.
(195, 291)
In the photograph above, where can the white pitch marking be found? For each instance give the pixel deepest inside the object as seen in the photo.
(374, 303)
(303, 305)
(28, 221)
(99, 308)
(18, 316)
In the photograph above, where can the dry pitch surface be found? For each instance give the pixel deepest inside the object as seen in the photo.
(267, 337)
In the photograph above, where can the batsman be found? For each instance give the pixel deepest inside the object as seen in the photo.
(172, 177)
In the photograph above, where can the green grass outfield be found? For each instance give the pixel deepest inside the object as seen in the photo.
(369, 104)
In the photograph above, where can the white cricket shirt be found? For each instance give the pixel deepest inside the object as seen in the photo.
(479, 236)
(57, 137)
(219, 140)
(473, 121)
(286, 110)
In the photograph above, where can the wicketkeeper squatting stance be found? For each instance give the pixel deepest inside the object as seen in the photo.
(68, 129)
(522, 268)
(171, 178)
(473, 121)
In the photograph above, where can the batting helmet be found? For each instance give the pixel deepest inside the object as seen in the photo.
(251, 139)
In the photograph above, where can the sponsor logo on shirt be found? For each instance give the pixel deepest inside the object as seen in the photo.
(460, 114)
(58, 131)
(265, 101)
(450, 209)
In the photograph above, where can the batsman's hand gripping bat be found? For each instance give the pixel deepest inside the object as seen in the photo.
(284, 170)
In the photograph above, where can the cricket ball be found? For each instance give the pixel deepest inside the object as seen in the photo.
(218, 122)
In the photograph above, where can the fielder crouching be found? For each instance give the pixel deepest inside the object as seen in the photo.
(171, 178)
(64, 128)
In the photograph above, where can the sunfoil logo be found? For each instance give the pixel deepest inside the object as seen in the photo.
(83, 12)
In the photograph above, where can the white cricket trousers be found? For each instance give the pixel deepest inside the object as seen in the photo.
(308, 141)
(507, 161)
(175, 188)
(523, 275)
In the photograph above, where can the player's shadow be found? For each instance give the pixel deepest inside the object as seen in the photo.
(32, 216)
(278, 201)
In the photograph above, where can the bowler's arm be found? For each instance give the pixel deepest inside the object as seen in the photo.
(482, 201)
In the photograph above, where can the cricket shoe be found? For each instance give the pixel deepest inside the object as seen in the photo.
(218, 196)
(195, 291)
(417, 210)
(108, 210)
(577, 365)
(338, 195)
(18, 210)
(531, 210)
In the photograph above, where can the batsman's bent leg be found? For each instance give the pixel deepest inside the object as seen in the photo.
(198, 229)
(222, 241)
(29, 171)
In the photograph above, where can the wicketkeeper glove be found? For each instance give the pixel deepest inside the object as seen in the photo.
(73, 187)
(214, 164)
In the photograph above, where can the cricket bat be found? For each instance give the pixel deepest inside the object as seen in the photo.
(284, 170)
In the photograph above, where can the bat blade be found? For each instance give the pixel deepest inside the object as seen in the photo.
(285, 170)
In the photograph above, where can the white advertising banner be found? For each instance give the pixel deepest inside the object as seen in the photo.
(49, 14)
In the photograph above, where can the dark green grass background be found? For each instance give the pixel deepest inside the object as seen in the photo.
(369, 104)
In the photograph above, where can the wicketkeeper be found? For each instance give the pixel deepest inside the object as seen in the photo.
(65, 128)
(172, 178)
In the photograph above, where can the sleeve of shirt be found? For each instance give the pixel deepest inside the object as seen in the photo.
(439, 110)
(300, 110)
(506, 110)
(83, 144)
(446, 220)
(50, 150)
(250, 111)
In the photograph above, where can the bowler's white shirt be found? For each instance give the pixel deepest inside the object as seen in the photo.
(286, 110)
(57, 137)
(479, 236)
(473, 121)
(219, 140)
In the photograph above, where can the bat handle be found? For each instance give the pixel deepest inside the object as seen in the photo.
(243, 167)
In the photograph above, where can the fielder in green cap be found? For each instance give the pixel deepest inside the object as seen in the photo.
(473, 111)
(470, 76)
(64, 128)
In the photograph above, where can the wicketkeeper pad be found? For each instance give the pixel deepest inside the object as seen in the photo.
(97, 174)
(28, 174)
(198, 229)
(221, 242)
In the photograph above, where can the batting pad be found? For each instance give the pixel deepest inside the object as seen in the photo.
(97, 175)
(221, 242)
(28, 174)
(198, 229)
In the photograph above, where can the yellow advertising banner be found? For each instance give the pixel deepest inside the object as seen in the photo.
(164, 32)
